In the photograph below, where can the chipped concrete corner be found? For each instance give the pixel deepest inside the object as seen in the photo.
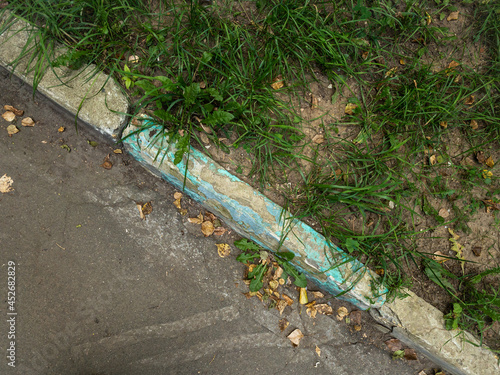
(92, 95)
(422, 326)
(254, 216)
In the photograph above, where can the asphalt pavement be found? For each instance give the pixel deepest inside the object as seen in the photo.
(99, 290)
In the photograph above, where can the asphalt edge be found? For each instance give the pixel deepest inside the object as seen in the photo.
(412, 320)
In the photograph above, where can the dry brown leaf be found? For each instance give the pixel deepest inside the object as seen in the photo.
(295, 337)
(453, 64)
(278, 272)
(379, 271)
(342, 312)
(402, 62)
(324, 309)
(355, 317)
(477, 250)
(12, 129)
(196, 220)
(177, 195)
(303, 296)
(357, 327)
(491, 204)
(61, 129)
(9, 116)
(204, 138)
(394, 345)
(311, 311)
(444, 124)
(314, 102)
(364, 55)
(349, 108)
(444, 213)
(481, 157)
(203, 85)
(432, 160)
(410, 354)
(223, 249)
(469, 100)
(6, 184)
(219, 231)
(27, 121)
(280, 306)
(453, 16)
(277, 83)
(489, 162)
(318, 139)
(107, 164)
(17, 112)
(474, 125)
(440, 257)
(283, 323)
(317, 294)
(318, 351)
(118, 151)
(210, 216)
(274, 284)
(207, 228)
(288, 300)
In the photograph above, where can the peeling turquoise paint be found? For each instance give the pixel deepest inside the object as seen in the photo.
(250, 223)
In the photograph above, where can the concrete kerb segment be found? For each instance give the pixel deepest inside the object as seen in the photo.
(97, 99)
(254, 216)
(248, 212)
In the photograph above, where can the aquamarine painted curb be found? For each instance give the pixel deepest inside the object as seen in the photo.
(256, 217)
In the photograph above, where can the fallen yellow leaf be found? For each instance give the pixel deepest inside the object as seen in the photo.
(342, 312)
(61, 129)
(303, 296)
(349, 108)
(223, 249)
(489, 162)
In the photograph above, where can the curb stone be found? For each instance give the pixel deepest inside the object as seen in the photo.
(412, 320)
(96, 99)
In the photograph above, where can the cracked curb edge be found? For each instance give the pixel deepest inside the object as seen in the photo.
(248, 212)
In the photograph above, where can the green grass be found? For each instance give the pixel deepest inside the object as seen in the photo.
(207, 71)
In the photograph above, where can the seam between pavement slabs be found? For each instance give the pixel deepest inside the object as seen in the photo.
(254, 216)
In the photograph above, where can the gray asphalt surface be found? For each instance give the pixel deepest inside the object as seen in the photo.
(100, 291)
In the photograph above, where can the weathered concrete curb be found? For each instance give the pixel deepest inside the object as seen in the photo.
(421, 326)
(254, 216)
(96, 98)
(412, 319)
